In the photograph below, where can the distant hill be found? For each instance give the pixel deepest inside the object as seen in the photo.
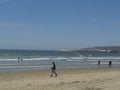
(103, 49)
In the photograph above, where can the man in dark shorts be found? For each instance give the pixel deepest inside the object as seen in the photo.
(53, 68)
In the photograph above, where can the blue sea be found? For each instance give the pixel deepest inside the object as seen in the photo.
(41, 59)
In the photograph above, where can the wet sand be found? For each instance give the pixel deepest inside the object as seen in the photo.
(68, 79)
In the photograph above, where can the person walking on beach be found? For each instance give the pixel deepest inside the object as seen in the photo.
(99, 63)
(110, 64)
(53, 68)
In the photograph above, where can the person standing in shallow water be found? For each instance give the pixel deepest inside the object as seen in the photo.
(18, 58)
(110, 64)
(53, 70)
(99, 63)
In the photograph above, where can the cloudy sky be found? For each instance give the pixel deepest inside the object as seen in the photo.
(59, 24)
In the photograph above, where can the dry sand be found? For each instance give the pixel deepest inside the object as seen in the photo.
(70, 79)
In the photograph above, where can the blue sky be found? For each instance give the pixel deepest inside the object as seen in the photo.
(59, 24)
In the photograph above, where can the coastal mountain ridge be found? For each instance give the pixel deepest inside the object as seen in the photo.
(110, 49)
(103, 49)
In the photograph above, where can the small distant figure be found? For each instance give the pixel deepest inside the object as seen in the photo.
(21, 59)
(18, 58)
(53, 68)
(110, 64)
(99, 63)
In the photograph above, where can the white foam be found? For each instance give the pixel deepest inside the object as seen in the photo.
(65, 58)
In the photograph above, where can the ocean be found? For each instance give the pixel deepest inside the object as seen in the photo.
(27, 60)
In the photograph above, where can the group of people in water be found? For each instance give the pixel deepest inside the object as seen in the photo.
(20, 59)
(109, 63)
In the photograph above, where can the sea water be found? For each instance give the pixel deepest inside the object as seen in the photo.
(41, 59)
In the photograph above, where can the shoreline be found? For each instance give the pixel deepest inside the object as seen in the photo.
(67, 70)
(68, 79)
(25, 68)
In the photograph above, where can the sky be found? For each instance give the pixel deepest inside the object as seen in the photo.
(59, 24)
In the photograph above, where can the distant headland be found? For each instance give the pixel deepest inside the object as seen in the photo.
(109, 49)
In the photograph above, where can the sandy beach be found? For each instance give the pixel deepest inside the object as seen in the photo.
(68, 79)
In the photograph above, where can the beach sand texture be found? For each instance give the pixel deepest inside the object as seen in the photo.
(69, 79)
